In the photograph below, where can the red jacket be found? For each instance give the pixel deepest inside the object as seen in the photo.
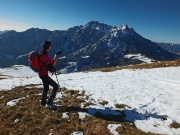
(44, 59)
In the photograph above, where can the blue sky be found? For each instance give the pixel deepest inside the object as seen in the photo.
(157, 20)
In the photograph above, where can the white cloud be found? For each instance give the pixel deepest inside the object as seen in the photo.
(13, 25)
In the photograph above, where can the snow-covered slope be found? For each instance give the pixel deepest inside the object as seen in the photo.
(153, 94)
(139, 57)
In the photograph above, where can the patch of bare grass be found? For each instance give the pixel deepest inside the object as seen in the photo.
(104, 102)
(121, 106)
(174, 63)
(130, 129)
(2, 77)
(175, 125)
(27, 117)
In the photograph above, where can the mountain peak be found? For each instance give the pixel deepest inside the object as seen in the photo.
(124, 27)
(96, 23)
(98, 26)
(35, 29)
(93, 23)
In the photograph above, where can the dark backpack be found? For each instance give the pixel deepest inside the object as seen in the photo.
(34, 61)
(51, 68)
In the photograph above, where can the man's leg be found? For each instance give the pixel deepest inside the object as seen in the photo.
(54, 90)
(45, 89)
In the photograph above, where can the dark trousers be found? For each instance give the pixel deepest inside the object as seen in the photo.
(46, 82)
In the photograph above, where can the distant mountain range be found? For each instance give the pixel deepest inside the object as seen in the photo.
(93, 45)
(171, 47)
(1, 32)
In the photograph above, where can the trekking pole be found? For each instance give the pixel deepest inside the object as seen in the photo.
(57, 80)
(65, 38)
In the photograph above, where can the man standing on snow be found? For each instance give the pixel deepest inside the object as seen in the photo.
(43, 74)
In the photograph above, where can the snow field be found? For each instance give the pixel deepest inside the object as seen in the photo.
(112, 128)
(153, 94)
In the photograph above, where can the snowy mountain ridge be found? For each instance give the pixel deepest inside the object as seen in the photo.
(105, 45)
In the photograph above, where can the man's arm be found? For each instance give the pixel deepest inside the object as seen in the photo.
(56, 56)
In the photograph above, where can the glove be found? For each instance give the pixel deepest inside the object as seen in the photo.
(58, 53)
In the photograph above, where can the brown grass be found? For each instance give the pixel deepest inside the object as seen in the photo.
(121, 106)
(104, 102)
(37, 120)
(174, 63)
(175, 125)
(128, 129)
(2, 76)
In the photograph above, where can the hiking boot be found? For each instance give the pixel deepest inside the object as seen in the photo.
(50, 106)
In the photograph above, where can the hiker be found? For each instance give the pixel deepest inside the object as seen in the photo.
(43, 74)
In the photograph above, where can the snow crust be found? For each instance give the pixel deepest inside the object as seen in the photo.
(82, 115)
(16, 121)
(77, 133)
(139, 57)
(65, 115)
(113, 127)
(14, 101)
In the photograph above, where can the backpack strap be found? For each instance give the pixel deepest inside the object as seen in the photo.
(39, 60)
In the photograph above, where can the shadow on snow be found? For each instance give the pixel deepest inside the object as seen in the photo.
(111, 114)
